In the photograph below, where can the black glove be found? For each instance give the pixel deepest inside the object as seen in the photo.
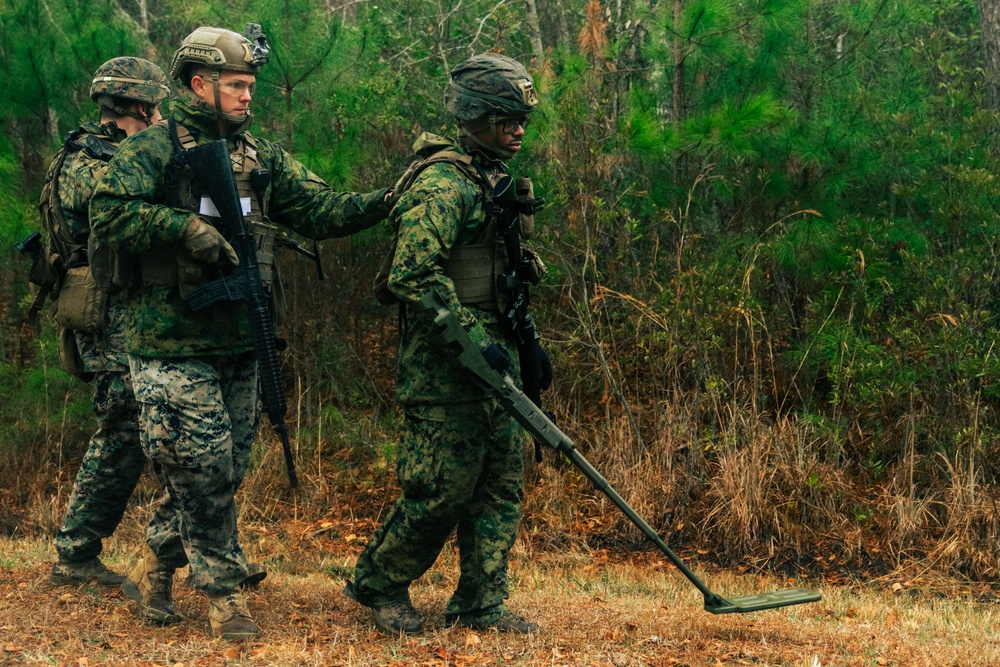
(543, 367)
(496, 357)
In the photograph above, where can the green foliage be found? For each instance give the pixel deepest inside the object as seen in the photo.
(767, 212)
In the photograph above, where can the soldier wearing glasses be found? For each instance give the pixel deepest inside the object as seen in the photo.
(195, 374)
(460, 456)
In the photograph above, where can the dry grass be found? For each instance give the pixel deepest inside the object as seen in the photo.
(595, 608)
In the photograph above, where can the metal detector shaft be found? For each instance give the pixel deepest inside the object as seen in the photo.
(453, 337)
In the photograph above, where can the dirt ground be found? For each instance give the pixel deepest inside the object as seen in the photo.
(594, 609)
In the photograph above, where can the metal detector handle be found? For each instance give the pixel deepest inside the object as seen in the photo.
(464, 353)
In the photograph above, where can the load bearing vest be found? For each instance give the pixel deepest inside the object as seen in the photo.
(173, 264)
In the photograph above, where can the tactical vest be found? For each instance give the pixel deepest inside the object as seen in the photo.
(472, 268)
(79, 279)
(173, 264)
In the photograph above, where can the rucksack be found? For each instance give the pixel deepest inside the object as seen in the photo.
(65, 253)
(430, 149)
(63, 270)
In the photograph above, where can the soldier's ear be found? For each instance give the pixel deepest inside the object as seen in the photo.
(198, 85)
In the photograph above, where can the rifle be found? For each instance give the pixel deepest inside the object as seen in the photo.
(515, 283)
(211, 165)
(45, 278)
(462, 352)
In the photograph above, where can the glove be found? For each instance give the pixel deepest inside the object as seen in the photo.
(204, 241)
(543, 366)
(496, 357)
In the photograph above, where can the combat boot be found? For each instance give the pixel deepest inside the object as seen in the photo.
(508, 621)
(75, 573)
(150, 584)
(229, 618)
(397, 618)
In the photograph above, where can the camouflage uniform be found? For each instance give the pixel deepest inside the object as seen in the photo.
(195, 374)
(114, 460)
(460, 455)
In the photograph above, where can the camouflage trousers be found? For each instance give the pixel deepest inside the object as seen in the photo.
(109, 472)
(198, 419)
(459, 468)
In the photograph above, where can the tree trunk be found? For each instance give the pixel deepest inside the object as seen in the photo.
(565, 36)
(989, 23)
(534, 32)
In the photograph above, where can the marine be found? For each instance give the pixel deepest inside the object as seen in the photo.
(460, 456)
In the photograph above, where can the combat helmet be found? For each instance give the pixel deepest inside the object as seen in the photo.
(128, 78)
(485, 87)
(221, 50)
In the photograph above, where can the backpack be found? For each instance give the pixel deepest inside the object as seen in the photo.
(430, 149)
(65, 253)
(63, 270)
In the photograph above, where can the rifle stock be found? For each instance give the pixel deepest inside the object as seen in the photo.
(212, 168)
(462, 352)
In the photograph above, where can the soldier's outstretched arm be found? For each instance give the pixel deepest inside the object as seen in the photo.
(302, 201)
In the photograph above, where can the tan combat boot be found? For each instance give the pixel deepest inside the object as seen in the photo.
(150, 584)
(229, 618)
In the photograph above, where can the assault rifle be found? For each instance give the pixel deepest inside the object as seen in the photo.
(515, 283)
(462, 352)
(213, 169)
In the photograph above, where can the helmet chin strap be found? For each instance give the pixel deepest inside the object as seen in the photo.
(492, 148)
(228, 117)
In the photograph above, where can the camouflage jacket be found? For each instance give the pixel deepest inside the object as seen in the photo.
(79, 176)
(128, 212)
(443, 209)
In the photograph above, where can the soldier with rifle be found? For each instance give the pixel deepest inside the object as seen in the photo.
(460, 455)
(196, 351)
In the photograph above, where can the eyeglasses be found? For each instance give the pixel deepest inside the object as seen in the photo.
(510, 125)
(237, 88)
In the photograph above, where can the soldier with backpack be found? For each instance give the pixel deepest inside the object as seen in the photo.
(460, 456)
(86, 280)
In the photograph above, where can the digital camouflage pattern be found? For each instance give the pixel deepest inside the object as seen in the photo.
(489, 83)
(213, 401)
(195, 375)
(441, 210)
(79, 176)
(460, 456)
(114, 461)
(108, 473)
(131, 79)
(460, 468)
(127, 213)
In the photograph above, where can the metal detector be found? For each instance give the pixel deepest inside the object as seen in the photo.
(453, 337)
